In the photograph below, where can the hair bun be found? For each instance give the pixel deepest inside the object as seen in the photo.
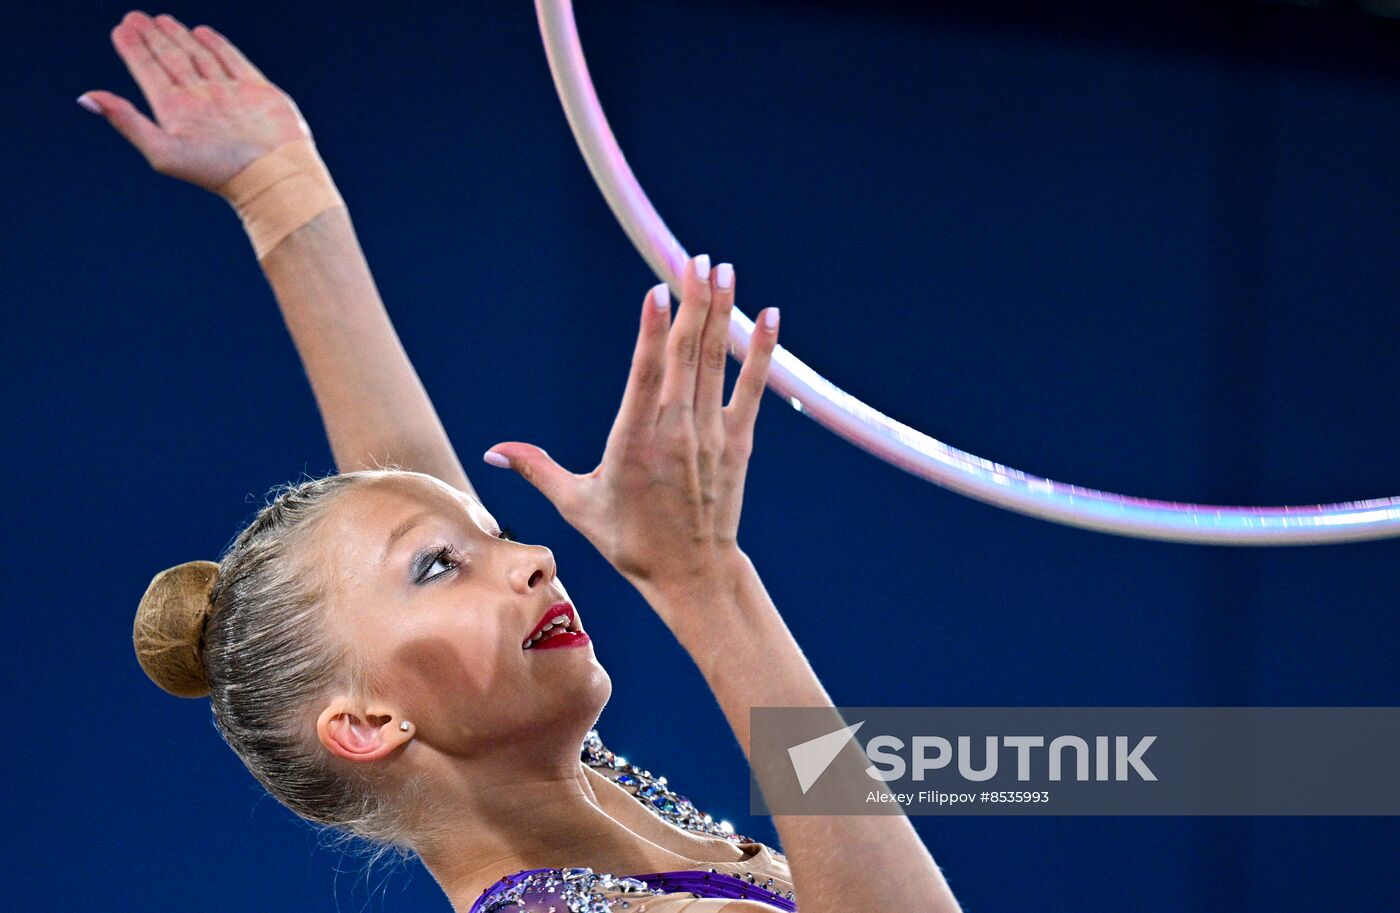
(170, 625)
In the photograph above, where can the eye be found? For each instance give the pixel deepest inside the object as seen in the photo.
(443, 556)
(506, 533)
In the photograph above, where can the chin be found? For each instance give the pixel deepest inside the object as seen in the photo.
(588, 695)
(563, 723)
(594, 692)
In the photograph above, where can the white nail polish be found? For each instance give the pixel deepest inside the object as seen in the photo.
(702, 267)
(770, 318)
(89, 104)
(661, 297)
(724, 275)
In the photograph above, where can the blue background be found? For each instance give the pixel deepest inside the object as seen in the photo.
(1148, 248)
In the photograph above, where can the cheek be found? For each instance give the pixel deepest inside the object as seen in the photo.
(450, 668)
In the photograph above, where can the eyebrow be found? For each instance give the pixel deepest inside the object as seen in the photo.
(401, 530)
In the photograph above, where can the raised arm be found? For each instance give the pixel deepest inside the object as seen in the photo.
(663, 508)
(216, 115)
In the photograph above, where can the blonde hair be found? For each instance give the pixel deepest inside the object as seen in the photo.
(250, 633)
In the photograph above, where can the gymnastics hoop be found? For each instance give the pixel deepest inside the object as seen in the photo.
(898, 444)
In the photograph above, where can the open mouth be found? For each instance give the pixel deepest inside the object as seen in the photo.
(557, 625)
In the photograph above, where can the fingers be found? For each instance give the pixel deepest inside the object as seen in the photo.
(230, 57)
(536, 466)
(742, 410)
(205, 64)
(639, 400)
(145, 69)
(149, 139)
(171, 57)
(683, 343)
(714, 346)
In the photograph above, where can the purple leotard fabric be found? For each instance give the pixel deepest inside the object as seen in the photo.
(715, 884)
(702, 883)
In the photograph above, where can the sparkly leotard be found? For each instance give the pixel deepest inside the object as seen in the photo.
(762, 875)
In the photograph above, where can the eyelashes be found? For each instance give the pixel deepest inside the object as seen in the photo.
(443, 554)
(446, 555)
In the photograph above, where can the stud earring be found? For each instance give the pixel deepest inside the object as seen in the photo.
(404, 726)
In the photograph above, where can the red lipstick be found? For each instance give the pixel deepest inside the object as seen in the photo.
(557, 627)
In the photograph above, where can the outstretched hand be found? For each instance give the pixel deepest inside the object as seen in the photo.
(215, 112)
(663, 505)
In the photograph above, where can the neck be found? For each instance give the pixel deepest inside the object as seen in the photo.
(548, 812)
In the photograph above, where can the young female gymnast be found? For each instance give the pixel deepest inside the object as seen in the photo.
(386, 663)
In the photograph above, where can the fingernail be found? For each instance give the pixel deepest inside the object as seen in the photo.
(724, 275)
(496, 459)
(702, 267)
(89, 104)
(661, 297)
(770, 318)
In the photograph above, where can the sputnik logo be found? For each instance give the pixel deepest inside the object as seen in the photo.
(810, 759)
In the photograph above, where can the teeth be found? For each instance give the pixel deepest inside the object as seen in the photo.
(558, 621)
(544, 632)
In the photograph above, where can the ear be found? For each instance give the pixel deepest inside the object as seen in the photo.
(359, 734)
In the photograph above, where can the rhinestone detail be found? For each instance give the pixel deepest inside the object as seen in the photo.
(578, 890)
(653, 792)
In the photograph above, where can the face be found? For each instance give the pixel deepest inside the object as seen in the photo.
(425, 590)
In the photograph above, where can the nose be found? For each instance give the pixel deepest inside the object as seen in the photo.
(534, 567)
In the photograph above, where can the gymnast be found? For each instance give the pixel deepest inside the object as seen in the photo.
(389, 664)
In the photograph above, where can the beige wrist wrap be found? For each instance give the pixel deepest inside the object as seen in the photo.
(280, 192)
